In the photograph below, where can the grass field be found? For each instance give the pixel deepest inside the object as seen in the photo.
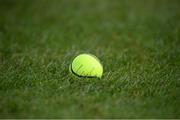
(138, 43)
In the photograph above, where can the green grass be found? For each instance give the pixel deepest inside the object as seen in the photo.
(138, 43)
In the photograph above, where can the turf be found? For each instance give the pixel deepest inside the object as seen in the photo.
(138, 43)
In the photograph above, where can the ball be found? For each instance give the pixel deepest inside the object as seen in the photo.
(86, 65)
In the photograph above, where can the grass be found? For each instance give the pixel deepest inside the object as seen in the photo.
(138, 43)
